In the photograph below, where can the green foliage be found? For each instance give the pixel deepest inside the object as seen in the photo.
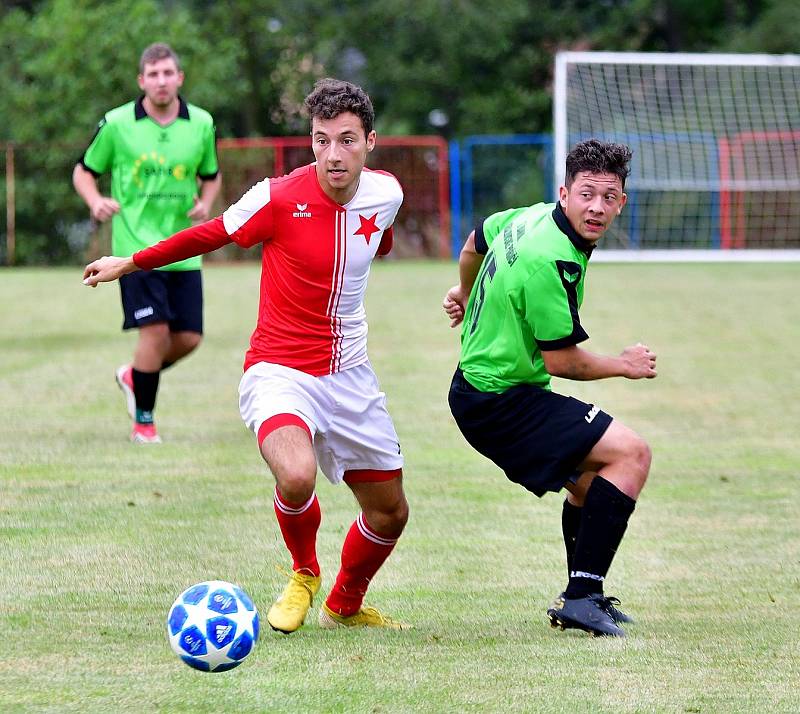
(776, 31)
(60, 71)
(486, 65)
(484, 68)
(273, 66)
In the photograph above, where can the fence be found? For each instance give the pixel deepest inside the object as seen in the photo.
(489, 173)
(447, 189)
(419, 162)
(46, 222)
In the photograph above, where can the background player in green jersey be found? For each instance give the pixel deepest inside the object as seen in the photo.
(521, 284)
(157, 148)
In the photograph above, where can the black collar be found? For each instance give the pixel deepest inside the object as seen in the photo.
(140, 113)
(583, 245)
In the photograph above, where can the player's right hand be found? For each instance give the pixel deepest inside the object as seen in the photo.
(641, 362)
(454, 304)
(106, 269)
(103, 208)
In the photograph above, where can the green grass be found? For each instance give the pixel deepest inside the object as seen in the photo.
(97, 536)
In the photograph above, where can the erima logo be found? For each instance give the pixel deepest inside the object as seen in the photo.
(571, 278)
(593, 412)
(144, 312)
(301, 211)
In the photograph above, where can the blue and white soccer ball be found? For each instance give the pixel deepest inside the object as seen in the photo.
(213, 626)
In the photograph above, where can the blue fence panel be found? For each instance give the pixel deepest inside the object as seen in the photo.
(492, 172)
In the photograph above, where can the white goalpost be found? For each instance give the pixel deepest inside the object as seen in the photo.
(716, 149)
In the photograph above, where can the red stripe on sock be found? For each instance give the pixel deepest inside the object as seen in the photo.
(370, 475)
(276, 422)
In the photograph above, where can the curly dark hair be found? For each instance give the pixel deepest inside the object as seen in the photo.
(332, 97)
(598, 157)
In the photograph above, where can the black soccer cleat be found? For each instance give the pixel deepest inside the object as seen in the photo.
(610, 607)
(587, 613)
(616, 614)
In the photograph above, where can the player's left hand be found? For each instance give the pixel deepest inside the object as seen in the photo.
(640, 362)
(198, 212)
(106, 269)
(454, 304)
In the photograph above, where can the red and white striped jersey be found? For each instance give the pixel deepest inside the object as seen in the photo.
(316, 257)
(315, 264)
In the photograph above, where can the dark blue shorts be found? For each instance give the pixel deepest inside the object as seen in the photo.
(171, 296)
(536, 436)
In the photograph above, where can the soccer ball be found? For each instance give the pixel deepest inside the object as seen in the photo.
(213, 626)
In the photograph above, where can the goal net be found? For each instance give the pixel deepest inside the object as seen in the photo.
(715, 140)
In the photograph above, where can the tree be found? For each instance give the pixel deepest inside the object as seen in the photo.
(61, 69)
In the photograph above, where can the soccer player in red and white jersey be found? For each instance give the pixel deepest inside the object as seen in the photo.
(308, 391)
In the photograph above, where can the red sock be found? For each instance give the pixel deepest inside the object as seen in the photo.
(299, 525)
(363, 552)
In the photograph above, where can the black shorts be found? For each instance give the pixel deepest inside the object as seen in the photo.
(171, 296)
(536, 436)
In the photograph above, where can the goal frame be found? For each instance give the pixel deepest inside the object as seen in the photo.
(561, 138)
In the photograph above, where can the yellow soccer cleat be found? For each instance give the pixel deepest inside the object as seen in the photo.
(365, 617)
(289, 610)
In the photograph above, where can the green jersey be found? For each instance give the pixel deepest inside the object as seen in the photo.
(525, 298)
(154, 172)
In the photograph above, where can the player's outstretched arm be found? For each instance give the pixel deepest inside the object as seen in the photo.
(106, 269)
(469, 263)
(196, 240)
(635, 362)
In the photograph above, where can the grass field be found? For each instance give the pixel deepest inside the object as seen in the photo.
(97, 536)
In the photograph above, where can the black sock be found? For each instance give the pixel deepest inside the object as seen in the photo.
(145, 387)
(570, 525)
(605, 517)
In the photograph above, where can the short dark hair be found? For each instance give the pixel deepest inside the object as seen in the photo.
(155, 52)
(332, 97)
(598, 157)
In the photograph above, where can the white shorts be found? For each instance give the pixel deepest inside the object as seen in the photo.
(345, 413)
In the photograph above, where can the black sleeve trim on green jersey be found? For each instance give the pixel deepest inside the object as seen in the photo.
(208, 177)
(569, 341)
(88, 168)
(481, 246)
(570, 275)
(82, 160)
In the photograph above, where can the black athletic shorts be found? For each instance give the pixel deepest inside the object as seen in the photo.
(172, 296)
(536, 436)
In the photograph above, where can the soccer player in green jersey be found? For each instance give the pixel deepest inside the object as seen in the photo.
(158, 149)
(521, 285)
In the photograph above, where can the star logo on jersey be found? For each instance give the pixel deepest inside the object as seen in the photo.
(368, 227)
